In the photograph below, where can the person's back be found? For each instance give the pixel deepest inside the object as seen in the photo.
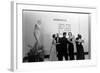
(64, 43)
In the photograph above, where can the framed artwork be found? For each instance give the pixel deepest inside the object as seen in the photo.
(51, 36)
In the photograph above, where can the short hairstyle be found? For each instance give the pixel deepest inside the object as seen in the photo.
(64, 33)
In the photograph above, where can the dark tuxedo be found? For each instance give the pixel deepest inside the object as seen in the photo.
(63, 49)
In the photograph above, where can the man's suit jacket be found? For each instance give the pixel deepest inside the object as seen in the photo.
(64, 43)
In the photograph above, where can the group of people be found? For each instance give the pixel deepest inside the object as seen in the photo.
(63, 47)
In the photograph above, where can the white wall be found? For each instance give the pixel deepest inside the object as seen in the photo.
(5, 36)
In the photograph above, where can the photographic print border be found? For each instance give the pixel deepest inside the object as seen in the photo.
(16, 28)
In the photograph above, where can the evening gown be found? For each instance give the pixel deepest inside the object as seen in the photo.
(53, 52)
(80, 51)
(71, 50)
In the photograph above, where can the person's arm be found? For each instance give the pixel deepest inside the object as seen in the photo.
(68, 41)
(73, 39)
(77, 39)
(81, 41)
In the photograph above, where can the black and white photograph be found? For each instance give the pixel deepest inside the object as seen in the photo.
(55, 36)
(50, 36)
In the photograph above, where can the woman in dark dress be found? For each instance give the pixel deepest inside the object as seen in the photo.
(79, 47)
(70, 46)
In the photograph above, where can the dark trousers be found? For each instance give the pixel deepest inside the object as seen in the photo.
(61, 54)
(71, 54)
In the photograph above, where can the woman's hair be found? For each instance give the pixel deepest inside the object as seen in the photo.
(53, 36)
(69, 33)
(79, 36)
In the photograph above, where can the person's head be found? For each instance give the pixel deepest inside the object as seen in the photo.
(64, 34)
(53, 36)
(79, 36)
(69, 34)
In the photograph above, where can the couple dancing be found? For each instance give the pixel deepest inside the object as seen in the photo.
(60, 47)
(64, 47)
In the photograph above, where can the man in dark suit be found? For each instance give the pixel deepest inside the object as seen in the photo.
(63, 51)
